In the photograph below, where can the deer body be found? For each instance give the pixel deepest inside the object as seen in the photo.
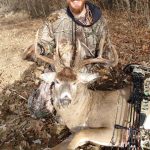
(90, 115)
(92, 119)
(93, 109)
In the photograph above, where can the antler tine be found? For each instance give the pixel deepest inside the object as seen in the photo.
(81, 63)
(57, 47)
(57, 57)
(43, 58)
(115, 61)
(107, 62)
(77, 62)
(57, 53)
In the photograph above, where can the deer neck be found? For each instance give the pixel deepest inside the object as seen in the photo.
(76, 114)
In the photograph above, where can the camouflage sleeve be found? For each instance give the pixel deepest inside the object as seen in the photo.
(46, 39)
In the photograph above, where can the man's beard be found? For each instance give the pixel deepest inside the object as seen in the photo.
(77, 10)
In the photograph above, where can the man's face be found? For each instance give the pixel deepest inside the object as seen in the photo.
(76, 6)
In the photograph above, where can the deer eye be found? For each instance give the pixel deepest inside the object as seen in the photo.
(73, 83)
(57, 81)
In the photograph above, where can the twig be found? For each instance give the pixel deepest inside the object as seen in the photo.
(18, 94)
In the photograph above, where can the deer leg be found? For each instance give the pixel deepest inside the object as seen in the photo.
(101, 136)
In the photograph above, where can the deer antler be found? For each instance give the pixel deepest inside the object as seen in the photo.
(55, 61)
(45, 59)
(107, 62)
(81, 63)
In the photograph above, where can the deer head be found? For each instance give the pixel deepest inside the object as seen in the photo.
(66, 79)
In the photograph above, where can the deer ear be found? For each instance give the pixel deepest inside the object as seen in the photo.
(48, 77)
(87, 77)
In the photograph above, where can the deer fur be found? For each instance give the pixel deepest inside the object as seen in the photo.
(90, 115)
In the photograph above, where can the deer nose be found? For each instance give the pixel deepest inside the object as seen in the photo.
(65, 101)
(65, 95)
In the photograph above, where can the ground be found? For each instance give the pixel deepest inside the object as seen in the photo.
(18, 78)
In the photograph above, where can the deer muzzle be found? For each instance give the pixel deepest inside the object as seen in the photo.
(65, 102)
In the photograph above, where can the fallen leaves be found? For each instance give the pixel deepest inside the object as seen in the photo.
(19, 131)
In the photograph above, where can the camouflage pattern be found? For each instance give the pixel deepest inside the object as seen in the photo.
(61, 28)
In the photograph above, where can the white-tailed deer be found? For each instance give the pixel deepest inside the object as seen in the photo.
(90, 115)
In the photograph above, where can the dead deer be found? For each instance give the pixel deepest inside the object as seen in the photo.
(90, 115)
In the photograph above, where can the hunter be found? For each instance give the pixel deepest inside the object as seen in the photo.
(80, 20)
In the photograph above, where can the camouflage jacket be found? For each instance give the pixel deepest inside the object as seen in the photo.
(61, 26)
